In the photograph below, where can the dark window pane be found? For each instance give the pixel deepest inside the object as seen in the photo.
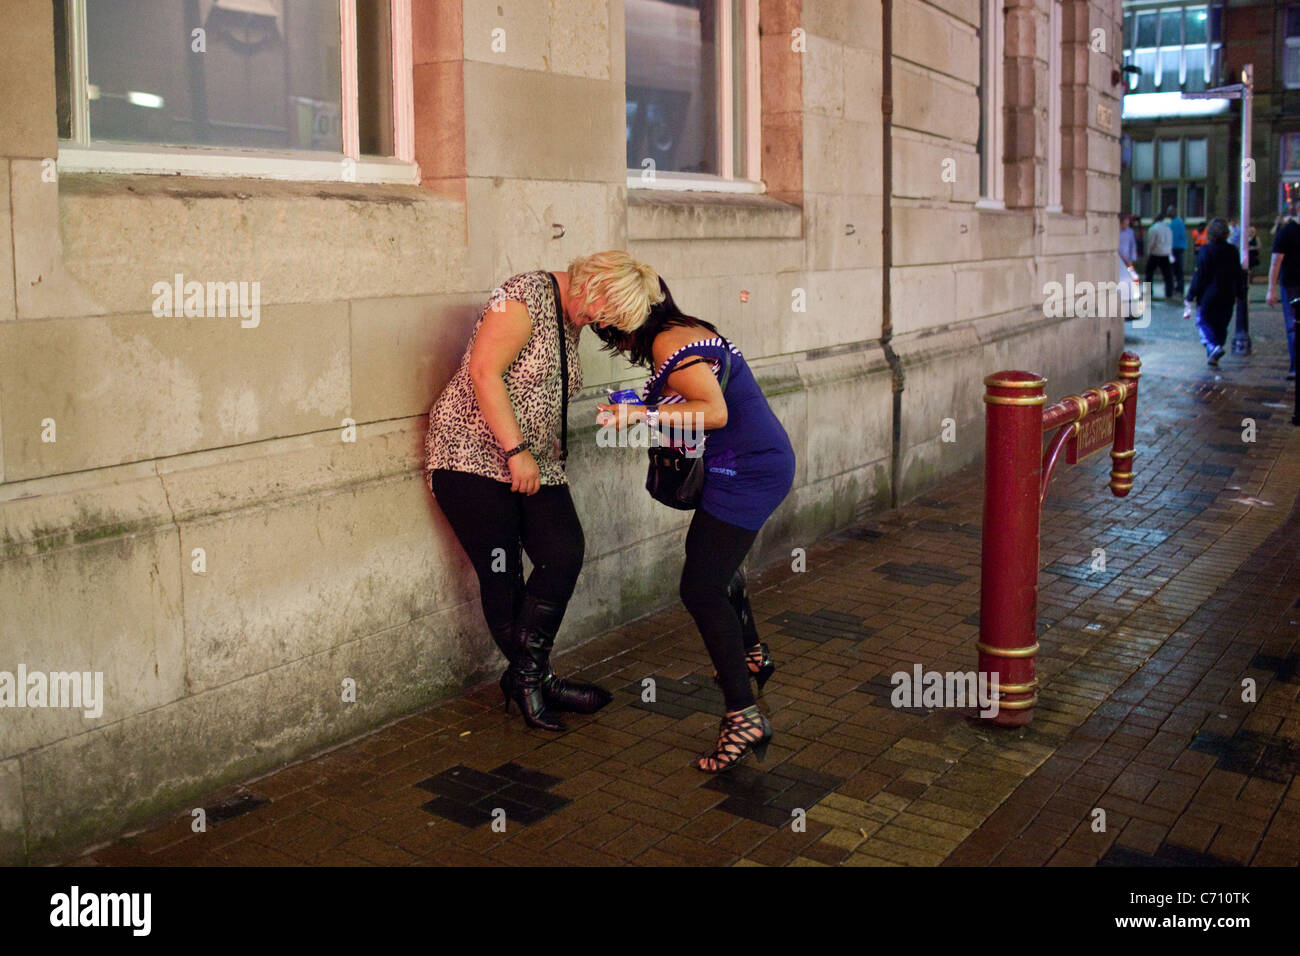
(269, 76)
(1146, 29)
(1216, 23)
(1195, 201)
(374, 78)
(1171, 27)
(1128, 31)
(672, 114)
(1293, 21)
(1195, 25)
(62, 80)
(1142, 200)
(1168, 197)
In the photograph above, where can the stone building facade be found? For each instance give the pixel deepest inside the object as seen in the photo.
(227, 519)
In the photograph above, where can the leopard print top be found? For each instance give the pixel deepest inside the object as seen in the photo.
(459, 438)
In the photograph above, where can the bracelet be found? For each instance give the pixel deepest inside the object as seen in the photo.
(652, 416)
(522, 446)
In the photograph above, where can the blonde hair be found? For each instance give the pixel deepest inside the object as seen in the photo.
(629, 287)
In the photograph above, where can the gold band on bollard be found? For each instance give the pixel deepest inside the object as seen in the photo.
(1029, 651)
(1124, 454)
(1021, 400)
(1101, 394)
(1017, 688)
(1009, 383)
(1017, 704)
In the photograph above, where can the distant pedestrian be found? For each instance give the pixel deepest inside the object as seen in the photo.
(1160, 244)
(1234, 232)
(1218, 282)
(1285, 265)
(1179, 233)
(1128, 248)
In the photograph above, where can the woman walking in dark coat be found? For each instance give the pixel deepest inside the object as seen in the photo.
(1218, 283)
(749, 468)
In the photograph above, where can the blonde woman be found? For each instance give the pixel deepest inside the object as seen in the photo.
(495, 460)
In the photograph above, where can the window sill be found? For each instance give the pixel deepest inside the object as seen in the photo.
(690, 182)
(125, 158)
(669, 214)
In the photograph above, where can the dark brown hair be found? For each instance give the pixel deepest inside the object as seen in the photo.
(638, 346)
(1217, 230)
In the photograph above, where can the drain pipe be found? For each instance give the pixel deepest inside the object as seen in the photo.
(887, 245)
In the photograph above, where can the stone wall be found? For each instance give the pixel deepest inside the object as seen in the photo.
(325, 559)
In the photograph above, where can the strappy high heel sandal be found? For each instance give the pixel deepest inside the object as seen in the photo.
(759, 661)
(738, 734)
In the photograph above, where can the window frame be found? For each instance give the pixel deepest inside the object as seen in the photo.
(1055, 137)
(991, 145)
(726, 181)
(81, 154)
(1290, 48)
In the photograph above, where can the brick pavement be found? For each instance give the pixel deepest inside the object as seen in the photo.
(1140, 715)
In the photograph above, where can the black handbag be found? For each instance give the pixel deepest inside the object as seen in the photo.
(674, 479)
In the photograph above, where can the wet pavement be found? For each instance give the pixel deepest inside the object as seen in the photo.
(1143, 668)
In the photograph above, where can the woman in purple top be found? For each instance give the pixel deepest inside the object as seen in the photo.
(749, 468)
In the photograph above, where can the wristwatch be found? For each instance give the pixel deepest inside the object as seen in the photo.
(652, 416)
(522, 446)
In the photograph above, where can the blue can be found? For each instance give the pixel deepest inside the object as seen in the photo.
(626, 396)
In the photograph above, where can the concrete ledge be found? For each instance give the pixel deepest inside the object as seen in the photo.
(654, 214)
(121, 234)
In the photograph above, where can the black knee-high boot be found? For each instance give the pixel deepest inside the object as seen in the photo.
(524, 681)
(542, 618)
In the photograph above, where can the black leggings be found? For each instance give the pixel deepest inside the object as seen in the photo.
(714, 552)
(493, 523)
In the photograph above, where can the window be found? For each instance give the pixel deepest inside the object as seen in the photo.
(1164, 169)
(692, 111)
(991, 99)
(1177, 48)
(1196, 158)
(1170, 152)
(1054, 56)
(1142, 200)
(1289, 181)
(1291, 50)
(1144, 160)
(297, 89)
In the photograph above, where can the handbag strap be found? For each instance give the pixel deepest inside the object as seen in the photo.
(564, 371)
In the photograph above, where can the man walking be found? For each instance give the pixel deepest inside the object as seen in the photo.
(1285, 265)
(1160, 244)
(1179, 247)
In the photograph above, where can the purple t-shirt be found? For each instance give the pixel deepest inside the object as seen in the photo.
(749, 462)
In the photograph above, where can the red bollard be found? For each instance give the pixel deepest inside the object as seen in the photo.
(1122, 452)
(1013, 444)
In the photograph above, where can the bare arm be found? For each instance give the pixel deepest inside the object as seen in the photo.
(1274, 267)
(500, 339)
(704, 407)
